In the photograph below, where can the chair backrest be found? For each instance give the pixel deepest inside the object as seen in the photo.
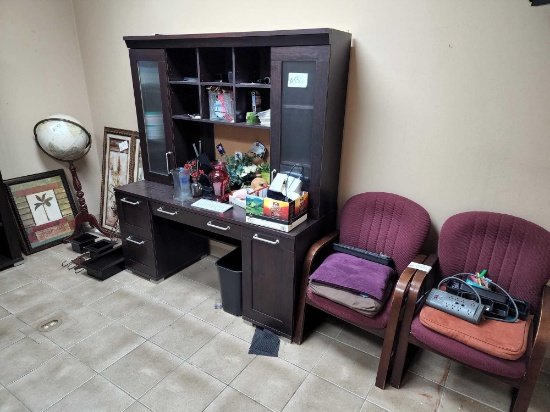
(385, 223)
(515, 252)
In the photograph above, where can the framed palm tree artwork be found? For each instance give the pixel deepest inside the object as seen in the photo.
(43, 207)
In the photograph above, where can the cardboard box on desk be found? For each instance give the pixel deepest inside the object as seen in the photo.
(258, 205)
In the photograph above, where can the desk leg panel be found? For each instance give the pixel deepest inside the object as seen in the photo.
(268, 277)
(176, 247)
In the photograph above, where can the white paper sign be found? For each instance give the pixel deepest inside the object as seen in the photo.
(297, 80)
(123, 146)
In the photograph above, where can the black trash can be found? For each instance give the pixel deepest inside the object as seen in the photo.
(230, 271)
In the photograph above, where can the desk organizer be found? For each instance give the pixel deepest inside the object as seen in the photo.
(105, 265)
(99, 247)
(82, 240)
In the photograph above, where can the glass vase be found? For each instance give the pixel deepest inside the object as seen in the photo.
(196, 188)
(219, 179)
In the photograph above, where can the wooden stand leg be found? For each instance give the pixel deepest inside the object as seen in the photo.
(83, 215)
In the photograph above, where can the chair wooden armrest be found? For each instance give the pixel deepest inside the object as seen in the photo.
(311, 261)
(542, 332)
(420, 279)
(398, 298)
(315, 255)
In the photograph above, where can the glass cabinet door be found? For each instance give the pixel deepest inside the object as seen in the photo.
(151, 95)
(298, 105)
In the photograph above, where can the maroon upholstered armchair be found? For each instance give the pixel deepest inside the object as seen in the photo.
(516, 254)
(381, 223)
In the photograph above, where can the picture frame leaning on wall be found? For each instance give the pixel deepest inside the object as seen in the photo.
(118, 169)
(44, 209)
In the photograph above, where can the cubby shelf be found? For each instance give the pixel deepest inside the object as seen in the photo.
(238, 124)
(253, 85)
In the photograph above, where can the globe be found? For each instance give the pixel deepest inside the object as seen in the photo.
(62, 137)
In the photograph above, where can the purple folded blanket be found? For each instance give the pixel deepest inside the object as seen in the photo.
(354, 274)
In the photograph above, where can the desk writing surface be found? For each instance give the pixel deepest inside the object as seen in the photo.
(162, 193)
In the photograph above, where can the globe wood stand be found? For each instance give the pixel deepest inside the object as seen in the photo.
(82, 216)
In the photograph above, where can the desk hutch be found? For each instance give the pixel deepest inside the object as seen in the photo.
(171, 75)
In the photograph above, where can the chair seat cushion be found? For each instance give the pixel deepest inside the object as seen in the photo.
(360, 303)
(501, 339)
(379, 321)
(468, 355)
(354, 274)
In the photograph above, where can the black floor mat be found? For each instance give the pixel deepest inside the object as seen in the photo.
(264, 343)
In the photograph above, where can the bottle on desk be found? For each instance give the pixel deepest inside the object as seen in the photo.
(181, 184)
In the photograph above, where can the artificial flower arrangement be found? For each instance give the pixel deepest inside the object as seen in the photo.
(241, 169)
(194, 168)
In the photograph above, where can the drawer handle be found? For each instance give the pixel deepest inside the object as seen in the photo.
(217, 227)
(273, 242)
(166, 212)
(130, 203)
(129, 239)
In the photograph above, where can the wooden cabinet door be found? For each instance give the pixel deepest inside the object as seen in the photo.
(299, 85)
(268, 274)
(149, 78)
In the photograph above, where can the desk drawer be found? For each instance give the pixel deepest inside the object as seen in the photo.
(139, 250)
(209, 224)
(133, 211)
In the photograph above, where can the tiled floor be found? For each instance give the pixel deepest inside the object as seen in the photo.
(127, 344)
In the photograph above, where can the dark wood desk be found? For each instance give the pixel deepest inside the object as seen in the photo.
(155, 248)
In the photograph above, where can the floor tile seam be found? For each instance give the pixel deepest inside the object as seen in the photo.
(84, 338)
(204, 320)
(15, 396)
(477, 400)
(75, 389)
(341, 387)
(120, 317)
(21, 338)
(428, 379)
(259, 403)
(238, 337)
(94, 301)
(359, 349)
(175, 354)
(94, 373)
(118, 386)
(133, 403)
(176, 307)
(32, 370)
(132, 396)
(208, 373)
(90, 335)
(156, 333)
(20, 286)
(186, 279)
(469, 397)
(295, 391)
(80, 284)
(171, 372)
(323, 354)
(374, 403)
(117, 359)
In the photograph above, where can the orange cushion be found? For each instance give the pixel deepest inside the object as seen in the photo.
(501, 339)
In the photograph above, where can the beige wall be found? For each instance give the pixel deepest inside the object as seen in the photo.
(41, 74)
(448, 100)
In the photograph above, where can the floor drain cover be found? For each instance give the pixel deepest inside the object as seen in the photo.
(49, 325)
